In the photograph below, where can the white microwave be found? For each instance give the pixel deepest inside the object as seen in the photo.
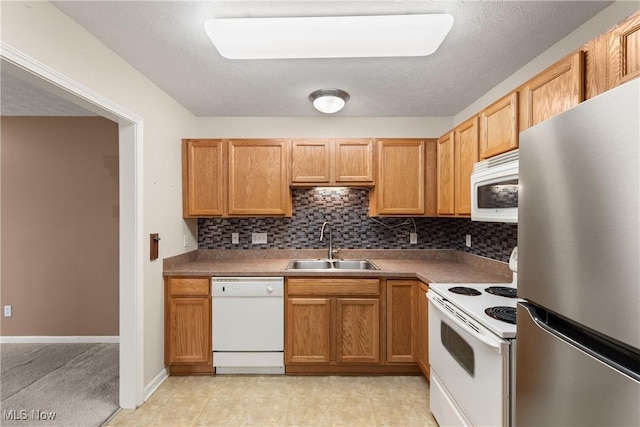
(494, 189)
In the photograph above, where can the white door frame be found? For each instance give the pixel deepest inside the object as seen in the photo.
(131, 258)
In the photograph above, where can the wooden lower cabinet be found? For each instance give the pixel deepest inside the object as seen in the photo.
(308, 337)
(401, 321)
(357, 330)
(336, 325)
(187, 343)
(423, 328)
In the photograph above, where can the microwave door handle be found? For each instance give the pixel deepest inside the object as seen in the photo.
(497, 346)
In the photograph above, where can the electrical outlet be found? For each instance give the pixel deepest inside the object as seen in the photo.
(413, 238)
(185, 240)
(235, 238)
(467, 240)
(7, 311)
(259, 238)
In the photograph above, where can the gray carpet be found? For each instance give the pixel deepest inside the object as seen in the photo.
(77, 382)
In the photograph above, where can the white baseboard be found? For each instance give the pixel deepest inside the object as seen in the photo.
(155, 383)
(97, 339)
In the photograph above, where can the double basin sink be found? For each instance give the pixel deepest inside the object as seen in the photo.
(331, 264)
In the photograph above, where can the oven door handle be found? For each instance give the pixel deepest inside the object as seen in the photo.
(494, 344)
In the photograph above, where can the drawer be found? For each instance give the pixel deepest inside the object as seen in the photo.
(328, 286)
(189, 286)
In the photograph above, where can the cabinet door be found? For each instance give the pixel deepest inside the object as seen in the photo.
(446, 182)
(400, 179)
(190, 330)
(499, 127)
(423, 328)
(401, 314)
(598, 60)
(613, 57)
(203, 172)
(308, 330)
(357, 330)
(310, 161)
(259, 178)
(625, 51)
(431, 178)
(354, 160)
(553, 91)
(465, 155)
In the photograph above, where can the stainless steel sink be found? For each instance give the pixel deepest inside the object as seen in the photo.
(354, 264)
(309, 264)
(331, 264)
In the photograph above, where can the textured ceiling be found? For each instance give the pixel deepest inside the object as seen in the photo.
(489, 41)
(21, 98)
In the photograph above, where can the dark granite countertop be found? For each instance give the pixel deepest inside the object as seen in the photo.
(430, 266)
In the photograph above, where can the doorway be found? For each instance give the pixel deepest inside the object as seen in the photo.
(131, 242)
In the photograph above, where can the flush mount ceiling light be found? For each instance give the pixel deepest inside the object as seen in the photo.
(329, 37)
(329, 101)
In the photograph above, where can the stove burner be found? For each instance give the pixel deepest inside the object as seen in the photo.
(502, 291)
(506, 314)
(462, 290)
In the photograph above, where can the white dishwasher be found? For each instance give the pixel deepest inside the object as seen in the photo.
(248, 325)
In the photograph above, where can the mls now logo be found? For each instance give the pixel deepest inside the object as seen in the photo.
(14, 414)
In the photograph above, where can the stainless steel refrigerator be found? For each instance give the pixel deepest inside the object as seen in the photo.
(578, 341)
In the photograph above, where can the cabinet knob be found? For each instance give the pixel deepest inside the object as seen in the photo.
(269, 289)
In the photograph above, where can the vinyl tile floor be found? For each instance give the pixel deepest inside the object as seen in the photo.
(221, 400)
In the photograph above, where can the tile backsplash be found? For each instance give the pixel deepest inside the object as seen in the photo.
(347, 211)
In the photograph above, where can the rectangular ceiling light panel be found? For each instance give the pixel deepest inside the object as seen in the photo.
(329, 37)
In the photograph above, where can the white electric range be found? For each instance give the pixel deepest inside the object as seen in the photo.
(472, 331)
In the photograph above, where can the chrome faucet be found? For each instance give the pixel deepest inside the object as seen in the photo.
(325, 224)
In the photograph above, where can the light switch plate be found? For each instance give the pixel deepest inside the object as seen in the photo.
(259, 238)
(413, 238)
(235, 238)
(7, 311)
(467, 240)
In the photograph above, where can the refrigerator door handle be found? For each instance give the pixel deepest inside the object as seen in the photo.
(624, 359)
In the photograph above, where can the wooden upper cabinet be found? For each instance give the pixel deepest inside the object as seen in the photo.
(310, 161)
(431, 176)
(457, 152)
(499, 127)
(613, 57)
(446, 184)
(203, 176)
(259, 178)
(465, 155)
(332, 162)
(553, 91)
(400, 186)
(625, 50)
(354, 160)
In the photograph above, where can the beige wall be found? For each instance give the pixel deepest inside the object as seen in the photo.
(60, 226)
(42, 32)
